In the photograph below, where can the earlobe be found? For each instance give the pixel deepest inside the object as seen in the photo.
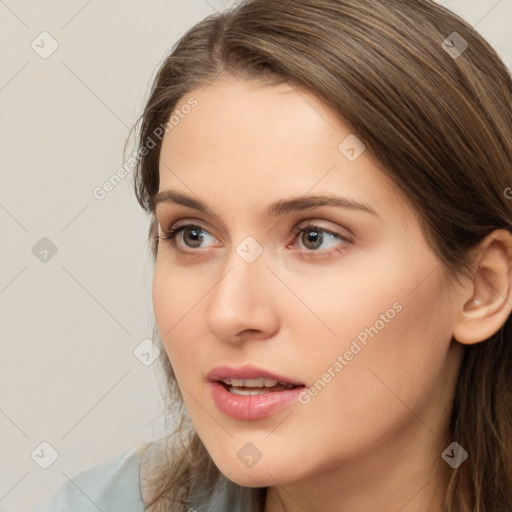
(490, 293)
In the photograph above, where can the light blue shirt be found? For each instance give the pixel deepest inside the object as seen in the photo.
(113, 486)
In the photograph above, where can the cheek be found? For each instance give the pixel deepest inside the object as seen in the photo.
(165, 303)
(357, 300)
(175, 292)
(384, 308)
(369, 293)
(387, 356)
(178, 306)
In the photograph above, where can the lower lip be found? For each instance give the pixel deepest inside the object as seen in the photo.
(253, 407)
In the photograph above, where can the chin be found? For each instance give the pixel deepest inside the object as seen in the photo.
(261, 474)
(246, 478)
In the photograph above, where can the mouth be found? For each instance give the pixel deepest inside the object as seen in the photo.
(250, 393)
(252, 387)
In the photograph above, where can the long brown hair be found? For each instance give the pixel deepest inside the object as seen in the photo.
(440, 125)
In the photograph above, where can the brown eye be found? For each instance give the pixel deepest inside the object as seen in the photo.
(312, 239)
(193, 237)
(189, 236)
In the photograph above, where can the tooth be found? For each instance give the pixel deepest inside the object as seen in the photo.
(249, 392)
(254, 383)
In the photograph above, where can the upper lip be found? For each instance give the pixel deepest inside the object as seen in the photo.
(247, 372)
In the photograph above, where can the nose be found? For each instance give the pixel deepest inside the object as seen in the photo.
(243, 304)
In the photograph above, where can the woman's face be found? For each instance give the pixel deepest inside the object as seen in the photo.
(297, 261)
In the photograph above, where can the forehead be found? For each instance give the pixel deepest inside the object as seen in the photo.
(233, 115)
(247, 140)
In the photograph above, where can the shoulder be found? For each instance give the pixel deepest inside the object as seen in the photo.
(113, 486)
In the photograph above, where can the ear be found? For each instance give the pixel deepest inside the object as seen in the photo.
(487, 301)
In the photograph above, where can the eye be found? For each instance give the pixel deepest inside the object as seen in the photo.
(315, 239)
(191, 236)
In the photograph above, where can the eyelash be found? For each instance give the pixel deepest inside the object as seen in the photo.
(170, 235)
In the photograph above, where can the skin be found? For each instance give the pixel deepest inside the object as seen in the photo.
(371, 439)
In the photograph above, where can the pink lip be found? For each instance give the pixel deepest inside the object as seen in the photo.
(250, 407)
(247, 372)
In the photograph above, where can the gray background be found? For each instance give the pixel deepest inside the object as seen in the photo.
(69, 325)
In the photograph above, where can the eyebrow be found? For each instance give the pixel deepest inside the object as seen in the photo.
(276, 209)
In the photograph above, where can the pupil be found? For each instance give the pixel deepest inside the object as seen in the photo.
(312, 239)
(193, 237)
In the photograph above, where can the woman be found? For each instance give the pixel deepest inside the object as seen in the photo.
(328, 188)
